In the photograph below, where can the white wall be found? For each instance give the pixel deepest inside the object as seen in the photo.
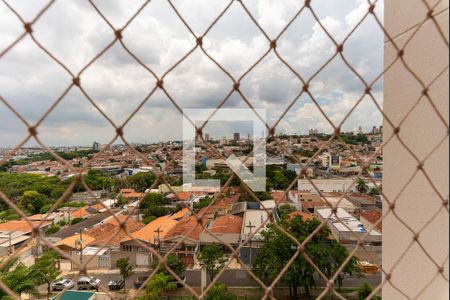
(427, 55)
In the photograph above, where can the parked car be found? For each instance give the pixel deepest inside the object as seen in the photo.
(88, 283)
(139, 281)
(115, 285)
(63, 283)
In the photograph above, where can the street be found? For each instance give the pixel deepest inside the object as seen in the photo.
(238, 279)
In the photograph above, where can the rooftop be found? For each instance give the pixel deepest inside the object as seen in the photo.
(372, 216)
(110, 232)
(188, 227)
(72, 241)
(304, 216)
(21, 225)
(148, 232)
(344, 222)
(226, 224)
(181, 214)
(71, 230)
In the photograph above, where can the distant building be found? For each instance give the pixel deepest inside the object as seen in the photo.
(206, 136)
(346, 229)
(326, 185)
(236, 136)
(313, 131)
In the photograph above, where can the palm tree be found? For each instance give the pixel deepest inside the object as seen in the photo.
(361, 186)
(157, 285)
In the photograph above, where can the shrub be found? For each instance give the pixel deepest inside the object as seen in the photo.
(52, 229)
(76, 220)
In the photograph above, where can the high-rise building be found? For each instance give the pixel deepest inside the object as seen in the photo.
(236, 136)
(374, 130)
(95, 146)
(206, 136)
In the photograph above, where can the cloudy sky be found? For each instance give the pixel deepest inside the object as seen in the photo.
(74, 33)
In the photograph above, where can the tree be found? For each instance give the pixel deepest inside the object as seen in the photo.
(17, 277)
(45, 270)
(278, 250)
(19, 280)
(364, 291)
(212, 259)
(52, 229)
(361, 186)
(374, 191)
(160, 283)
(220, 292)
(285, 210)
(204, 202)
(176, 265)
(153, 199)
(33, 201)
(141, 181)
(126, 270)
(97, 181)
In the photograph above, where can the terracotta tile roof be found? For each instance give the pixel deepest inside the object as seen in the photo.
(226, 224)
(98, 207)
(80, 213)
(180, 214)
(71, 241)
(127, 191)
(372, 216)
(184, 227)
(304, 216)
(147, 233)
(183, 196)
(133, 195)
(279, 197)
(227, 201)
(207, 210)
(21, 225)
(110, 232)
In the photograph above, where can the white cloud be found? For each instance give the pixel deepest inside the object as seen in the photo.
(74, 33)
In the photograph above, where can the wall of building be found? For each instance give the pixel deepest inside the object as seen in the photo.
(427, 55)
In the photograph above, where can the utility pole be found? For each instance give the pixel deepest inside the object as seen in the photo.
(158, 240)
(10, 243)
(250, 227)
(81, 247)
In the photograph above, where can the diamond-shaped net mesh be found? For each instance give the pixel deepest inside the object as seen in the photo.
(161, 251)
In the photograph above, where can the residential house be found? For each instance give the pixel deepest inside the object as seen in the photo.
(149, 235)
(187, 232)
(10, 241)
(131, 194)
(23, 226)
(181, 214)
(227, 228)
